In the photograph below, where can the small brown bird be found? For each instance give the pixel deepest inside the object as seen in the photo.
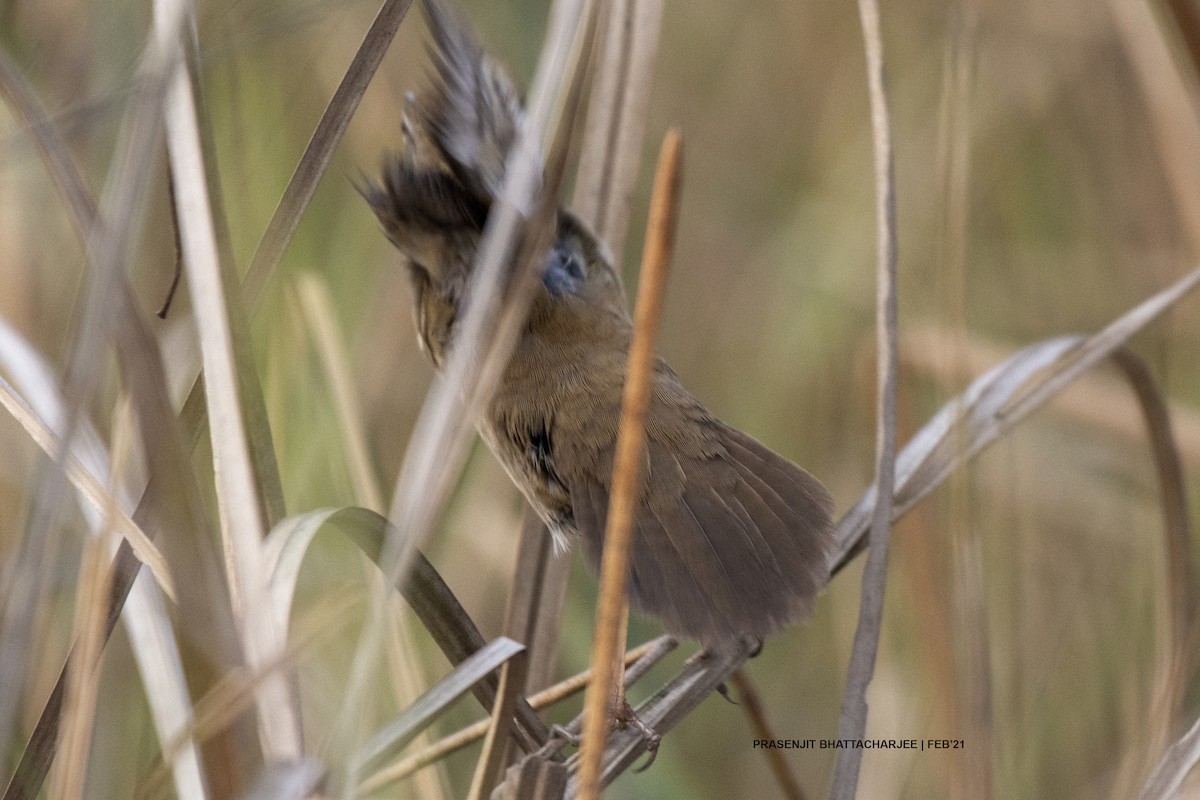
(731, 541)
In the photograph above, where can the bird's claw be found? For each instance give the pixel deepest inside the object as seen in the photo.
(627, 716)
(559, 738)
(723, 690)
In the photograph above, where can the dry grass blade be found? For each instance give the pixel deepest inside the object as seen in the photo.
(492, 760)
(992, 405)
(612, 146)
(1174, 671)
(83, 688)
(142, 371)
(1181, 575)
(970, 705)
(125, 566)
(853, 722)
(53, 151)
(242, 513)
(644, 656)
(751, 703)
(1170, 97)
(292, 780)
(534, 555)
(431, 705)
(317, 154)
(88, 485)
(137, 356)
(537, 598)
(318, 313)
(627, 461)
(1097, 401)
(307, 174)
(1175, 765)
(107, 245)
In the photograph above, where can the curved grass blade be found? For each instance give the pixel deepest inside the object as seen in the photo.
(392, 738)
(1173, 672)
(991, 405)
(428, 595)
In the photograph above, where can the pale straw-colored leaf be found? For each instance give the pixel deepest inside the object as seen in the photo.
(288, 780)
(283, 555)
(88, 485)
(1180, 759)
(151, 635)
(243, 516)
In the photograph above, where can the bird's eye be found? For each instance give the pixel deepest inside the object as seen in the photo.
(574, 264)
(564, 271)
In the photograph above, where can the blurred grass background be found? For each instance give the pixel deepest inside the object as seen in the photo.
(1025, 609)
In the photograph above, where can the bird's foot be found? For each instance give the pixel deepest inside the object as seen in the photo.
(559, 738)
(627, 716)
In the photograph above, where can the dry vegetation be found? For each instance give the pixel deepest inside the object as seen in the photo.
(1041, 598)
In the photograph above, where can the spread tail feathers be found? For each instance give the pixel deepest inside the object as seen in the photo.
(473, 108)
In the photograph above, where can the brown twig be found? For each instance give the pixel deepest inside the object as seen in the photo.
(752, 704)
(853, 720)
(627, 462)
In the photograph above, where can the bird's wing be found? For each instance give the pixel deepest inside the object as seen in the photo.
(730, 539)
